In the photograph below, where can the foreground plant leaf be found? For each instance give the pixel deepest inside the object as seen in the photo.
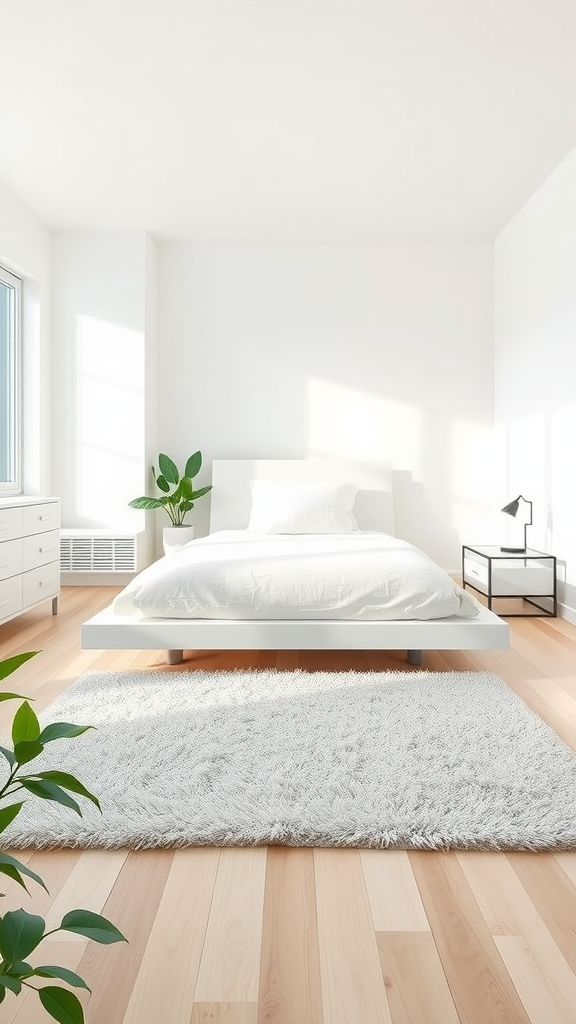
(49, 791)
(62, 1005)
(27, 750)
(9, 755)
(67, 781)
(62, 730)
(25, 726)
(9, 665)
(13, 984)
(63, 974)
(7, 814)
(12, 696)
(14, 869)
(20, 933)
(92, 926)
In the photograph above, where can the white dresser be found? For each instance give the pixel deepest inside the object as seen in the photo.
(29, 554)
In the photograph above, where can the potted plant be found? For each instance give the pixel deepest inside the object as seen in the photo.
(177, 497)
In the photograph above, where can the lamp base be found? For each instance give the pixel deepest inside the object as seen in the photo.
(514, 551)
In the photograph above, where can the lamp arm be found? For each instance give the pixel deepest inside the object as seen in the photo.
(528, 502)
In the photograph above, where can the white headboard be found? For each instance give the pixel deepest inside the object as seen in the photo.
(231, 497)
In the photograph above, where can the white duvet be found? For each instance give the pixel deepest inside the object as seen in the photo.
(238, 574)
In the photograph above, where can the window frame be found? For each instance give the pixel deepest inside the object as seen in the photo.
(14, 377)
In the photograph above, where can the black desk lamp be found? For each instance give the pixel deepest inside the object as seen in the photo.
(512, 510)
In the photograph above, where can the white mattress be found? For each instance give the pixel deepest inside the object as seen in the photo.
(238, 574)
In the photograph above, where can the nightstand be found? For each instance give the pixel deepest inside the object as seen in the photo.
(528, 576)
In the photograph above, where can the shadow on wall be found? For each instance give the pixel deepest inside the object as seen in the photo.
(416, 520)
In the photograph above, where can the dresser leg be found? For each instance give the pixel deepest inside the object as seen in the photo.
(55, 605)
(414, 657)
(175, 657)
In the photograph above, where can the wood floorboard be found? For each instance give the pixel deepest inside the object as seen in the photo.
(286, 936)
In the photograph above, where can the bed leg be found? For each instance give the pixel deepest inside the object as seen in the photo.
(414, 657)
(174, 657)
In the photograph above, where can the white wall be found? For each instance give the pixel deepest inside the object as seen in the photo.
(535, 364)
(101, 297)
(25, 249)
(373, 353)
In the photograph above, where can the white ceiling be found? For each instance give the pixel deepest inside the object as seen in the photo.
(280, 120)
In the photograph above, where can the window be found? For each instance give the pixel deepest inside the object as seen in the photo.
(10, 344)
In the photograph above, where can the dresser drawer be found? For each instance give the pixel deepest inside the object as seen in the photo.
(10, 597)
(41, 583)
(40, 549)
(10, 523)
(10, 558)
(40, 518)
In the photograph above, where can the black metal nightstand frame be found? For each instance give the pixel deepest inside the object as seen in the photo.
(492, 553)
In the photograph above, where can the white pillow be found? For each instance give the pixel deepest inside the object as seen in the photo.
(302, 508)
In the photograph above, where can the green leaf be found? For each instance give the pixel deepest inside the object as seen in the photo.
(168, 469)
(92, 926)
(6, 861)
(9, 755)
(194, 465)
(12, 696)
(174, 498)
(20, 933)
(186, 506)
(14, 874)
(7, 814)
(63, 974)
(62, 730)
(7, 981)
(145, 503)
(9, 665)
(2, 994)
(162, 484)
(185, 488)
(27, 750)
(70, 782)
(48, 791)
(61, 1004)
(25, 725)
(21, 969)
(200, 493)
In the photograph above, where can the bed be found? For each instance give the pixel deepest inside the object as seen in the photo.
(241, 495)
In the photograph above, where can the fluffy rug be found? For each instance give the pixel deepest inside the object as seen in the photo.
(418, 760)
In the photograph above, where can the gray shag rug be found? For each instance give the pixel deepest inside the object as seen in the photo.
(413, 760)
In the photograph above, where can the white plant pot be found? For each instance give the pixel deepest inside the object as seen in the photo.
(174, 537)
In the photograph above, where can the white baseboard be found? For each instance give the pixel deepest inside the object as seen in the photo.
(566, 612)
(96, 579)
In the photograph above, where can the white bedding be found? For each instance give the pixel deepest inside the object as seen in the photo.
(239, 574)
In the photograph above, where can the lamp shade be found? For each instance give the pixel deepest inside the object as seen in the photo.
(512, 510)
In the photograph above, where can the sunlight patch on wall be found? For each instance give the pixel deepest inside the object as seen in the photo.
(475, 479)
(526, 452)
(528, 471)
(110, 420)
(353, 425)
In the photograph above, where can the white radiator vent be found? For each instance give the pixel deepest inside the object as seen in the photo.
(81, 551)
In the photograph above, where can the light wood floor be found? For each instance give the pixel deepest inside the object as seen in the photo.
(283, 936)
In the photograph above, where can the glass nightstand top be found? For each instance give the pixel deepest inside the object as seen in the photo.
(493, 551)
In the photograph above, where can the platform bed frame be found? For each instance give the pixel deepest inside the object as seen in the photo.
(230, 510)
